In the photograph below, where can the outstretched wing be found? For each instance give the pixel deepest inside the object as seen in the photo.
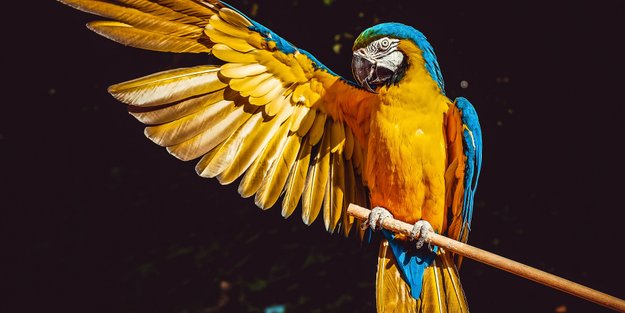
(464, 141)
(272, 113)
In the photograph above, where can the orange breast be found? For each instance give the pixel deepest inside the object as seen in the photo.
(406, 161)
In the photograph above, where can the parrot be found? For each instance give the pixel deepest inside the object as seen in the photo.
(295, 134)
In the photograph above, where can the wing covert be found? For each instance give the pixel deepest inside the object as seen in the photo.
(271, 114)
(464, 141)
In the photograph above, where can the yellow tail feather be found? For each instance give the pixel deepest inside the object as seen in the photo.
(442, 291)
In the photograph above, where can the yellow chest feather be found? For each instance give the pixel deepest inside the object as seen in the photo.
(406, 161)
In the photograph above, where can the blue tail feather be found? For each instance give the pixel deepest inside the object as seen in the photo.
(411, 261)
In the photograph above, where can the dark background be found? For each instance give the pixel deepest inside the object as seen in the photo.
(95, 218)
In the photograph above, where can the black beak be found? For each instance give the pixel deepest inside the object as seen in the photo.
(363, 69)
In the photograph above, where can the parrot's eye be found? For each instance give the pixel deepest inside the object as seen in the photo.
(385, 43)
(383, 46)
(379, 63)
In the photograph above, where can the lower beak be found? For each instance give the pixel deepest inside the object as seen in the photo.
(363, 69)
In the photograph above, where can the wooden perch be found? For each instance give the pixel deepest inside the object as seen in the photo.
(500, 262)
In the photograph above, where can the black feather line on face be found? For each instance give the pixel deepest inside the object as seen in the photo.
(399, 73)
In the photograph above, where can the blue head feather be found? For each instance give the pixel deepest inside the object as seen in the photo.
(401, 31)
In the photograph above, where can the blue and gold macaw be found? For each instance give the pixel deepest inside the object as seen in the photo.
(295, 130)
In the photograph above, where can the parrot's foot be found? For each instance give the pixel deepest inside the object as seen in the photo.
(420, 232)
(376, 217)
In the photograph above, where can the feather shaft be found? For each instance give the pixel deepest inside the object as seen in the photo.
(316, 180)
(168, 86)
(296, 180)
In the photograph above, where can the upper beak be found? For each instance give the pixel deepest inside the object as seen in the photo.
(363, 69)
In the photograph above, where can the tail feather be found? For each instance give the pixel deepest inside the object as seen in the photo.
(392, 293)
(433, 295)
(452, 282)
(441, 292)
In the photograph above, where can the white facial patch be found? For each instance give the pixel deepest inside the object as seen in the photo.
(381, 47)
(392, 60)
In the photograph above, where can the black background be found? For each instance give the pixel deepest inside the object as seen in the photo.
(95, 218)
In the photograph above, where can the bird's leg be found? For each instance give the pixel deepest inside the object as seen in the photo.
(376, 217)
(420, 232)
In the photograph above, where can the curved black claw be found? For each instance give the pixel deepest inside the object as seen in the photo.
(376, 217)
(420, 232)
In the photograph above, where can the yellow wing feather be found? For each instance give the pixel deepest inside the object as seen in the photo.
(151, 25)
(307, 121)
(315, 188)
(180, 109)
(256, 174)
(335, 191)
(224, 27)
(137, 18)
(163, 10)
(338, 137)
(273, 117)
(210, 138)
(251, 147)
(297, 179)
(185, 128)
(276, 91)
(263, 88)
(228, 54)
(349, 196)
(169, 86)
(139, 38)
(189, 7)
(237, 70)
(454, 176)
(248, 83)
(234, 18)
(278, 104)
(229, 150)
(276, 177)
(317, 128)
